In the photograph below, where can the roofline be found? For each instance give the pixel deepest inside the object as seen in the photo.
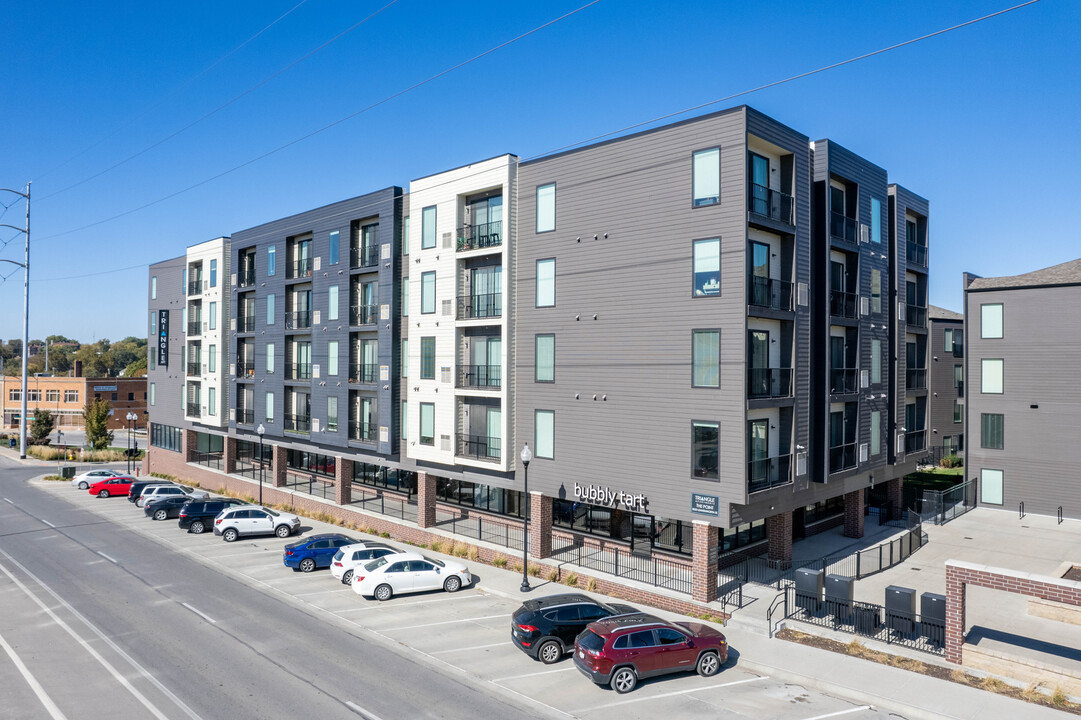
(395, 190)
(899, 186)
(462, 167)
(855, 154)
(1020, 287)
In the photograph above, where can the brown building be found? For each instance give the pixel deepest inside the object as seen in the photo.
(65, 398)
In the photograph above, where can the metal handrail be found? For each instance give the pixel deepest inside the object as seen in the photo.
(484, 235)
(363, 314)
(773, 204)
(488, 305)
(364, 256)
(769, 293)
(363, 373)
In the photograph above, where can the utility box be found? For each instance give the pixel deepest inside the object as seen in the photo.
(809, 584)
(933, 617)
(838, 589)
(901, 609)
(68, 471)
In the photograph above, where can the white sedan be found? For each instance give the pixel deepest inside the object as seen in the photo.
(408, 572)
(84, 480)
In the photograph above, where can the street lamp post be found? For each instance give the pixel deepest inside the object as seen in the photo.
(260, 430)
(25, 265)
(59, 448)
(526, 456)
(130, 417)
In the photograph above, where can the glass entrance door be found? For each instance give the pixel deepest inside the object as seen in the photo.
(760, 294)
(758, 380)
(758, 451)
(759, 185)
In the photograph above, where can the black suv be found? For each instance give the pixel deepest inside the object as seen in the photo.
(196, 516)
(545, 628)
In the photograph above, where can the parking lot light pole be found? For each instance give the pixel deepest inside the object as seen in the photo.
(526, 456)
(130, 416)
(59, 448)
(260, 430)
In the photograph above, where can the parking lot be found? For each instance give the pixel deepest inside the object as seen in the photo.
(468, 632)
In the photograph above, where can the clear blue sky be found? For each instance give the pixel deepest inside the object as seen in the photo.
(964, 119)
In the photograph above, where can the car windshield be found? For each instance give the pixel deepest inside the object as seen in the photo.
(590, 640)
(375, 564)
(434, 561)
(271, 512)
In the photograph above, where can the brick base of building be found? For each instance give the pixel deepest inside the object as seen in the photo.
(854, 514)
(779, 537)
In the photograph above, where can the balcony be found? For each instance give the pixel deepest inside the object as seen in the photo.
(364, 256)
(768, 473)
(843, 228)
(843, 380)
(484, 377)
(298, 423)
(914, 441)
(769, 382)
(960, 385)
(363, 373)
(916, 315)
(363, 432)
(193, 410)
(842, 457)
(843, 304)
(479, 447)
(769, 293)
(298, 320)
(773, 204)
(195, 287)
(489, 305)
(246, 323)
(194, 368)
(300, 269)
(916, 378)
(298, 371)
(245, 370)
(363, 315)
(195, 327)
(246, 278)
(917, 254)
(245, 417)
(475, 237)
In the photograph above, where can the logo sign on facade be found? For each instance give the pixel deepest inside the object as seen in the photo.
(705, 504)
(601, 495)
(105, 388)
(163, 338)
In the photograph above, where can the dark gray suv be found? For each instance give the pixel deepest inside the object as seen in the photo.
(198, 515)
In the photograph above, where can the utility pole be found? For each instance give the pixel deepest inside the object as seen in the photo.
(26, 310)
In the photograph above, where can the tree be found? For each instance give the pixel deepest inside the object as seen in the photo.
(96, 416)
(135, 369)
(41, 427)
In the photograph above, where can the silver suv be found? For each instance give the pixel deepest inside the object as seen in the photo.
(254, 520)
(151, 493)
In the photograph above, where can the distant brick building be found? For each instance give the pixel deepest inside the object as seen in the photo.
(65, 398)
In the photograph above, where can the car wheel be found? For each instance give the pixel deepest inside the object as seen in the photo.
(161, 515)
(282, 531)
(347, 578)
(197, 527)
(708, 664)
(624, 680)
(229, 535)
(453, 584)
(549, 652)
(307, 565)
(103, 493)
(84, 486)
(383, 592)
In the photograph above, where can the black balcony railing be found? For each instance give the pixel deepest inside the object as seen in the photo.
(773, 204)
(489, 305)
(486, 235)
(301, 268)
(363, 432)
(246, 323)
(960, 385)
(246, 277)
(914, 441)
(769, 293)
(195, 327)
(917, 254)
(298, 320)
(480, 376)
(194, 410)
(916, 315)
(195, 286)
(843, 380)
(842, 457)
(843, 227)
(245, 417)
(843, 304)
(769, 382)
(298, 371)
(364, 256)
(363, 315)
(194, 367)
(479, 447)
(298, 423)
(363, 373)
(768, 472)
(916, 378)
(245, 369)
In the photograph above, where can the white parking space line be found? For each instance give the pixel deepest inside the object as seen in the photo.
(48, 523)
(419, 602)
(112, 560)
(529, 675)
(445, 622)
(9, 501)
(840, 712)
(203, 615)
(319, 592)
(668, 694)
(466, 649)
(32, 681)
(361, 711)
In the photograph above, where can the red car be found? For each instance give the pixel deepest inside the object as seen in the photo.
(119, 485)
(622, 649)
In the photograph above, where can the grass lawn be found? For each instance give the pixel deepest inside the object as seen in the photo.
(936, 478)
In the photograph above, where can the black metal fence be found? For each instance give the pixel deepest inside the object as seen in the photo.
(210, 459)
(479, 527)
(310, 485)
(941, 506)
(391, 504)
(653, 570)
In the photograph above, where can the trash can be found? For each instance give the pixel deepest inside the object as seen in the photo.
(68, 471)
(11, 442)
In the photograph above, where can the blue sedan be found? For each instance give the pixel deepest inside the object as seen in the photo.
(314, 552)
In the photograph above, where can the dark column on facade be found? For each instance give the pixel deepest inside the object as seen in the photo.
(779, 536)
(425, 500)
(895, 497)
(343, 481)
(540, 525)
(230, 455)
(191, 445)
(277, 465)
(854, 514)
(704, 562)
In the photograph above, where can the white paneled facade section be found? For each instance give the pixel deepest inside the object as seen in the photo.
(455, 318)
(214, 333)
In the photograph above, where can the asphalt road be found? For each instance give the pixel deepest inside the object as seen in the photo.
(97, 621)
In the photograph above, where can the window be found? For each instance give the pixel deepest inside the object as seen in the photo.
(213, 316)
(184, 281)
(53, 396)
(405, 297)
(404, 419)
(427, 358)
(427, 293)
(546, 208)
(268, 404)
(706, 358)
(947, 340)
(705, 450)
(270, 309)
(545, 433)
(991, 487)
(876, 220)
(876, 361)
(427, 228)
(876, 432)
(334, 238)
(332, 413)
(212, 400)
(15, 395)
(958, 411)
(959, 377)
(270, 264)
(991, 320)
(427, 423)
(876, 291)
(991, 376)
(332, 300)
(332, 357)
(958, 343)
(269, 359)
(154, 288)
(71, 396)
(404, 362)
(405, 235)
(212, 359)
(34, 392)
(992, 431)
(213, 273)
(546, 283)
(166, 437)
(152, 395)
(707, 267)
(544, 362)
(707, 177)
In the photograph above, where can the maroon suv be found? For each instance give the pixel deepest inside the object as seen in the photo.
(620, 650)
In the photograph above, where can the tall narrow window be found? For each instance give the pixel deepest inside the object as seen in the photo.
(991, 371)
(268, 405)
(332, 302)
(405, 235)
(270, 309)
(405, 297)
(876, 432)
(153, 395)
(876, 361)
(332, 357)
(427, 423)
(427, 293)
(705, 450)
(545, 441)
(707, 177)
(404, 362)
(334, 245)
(154, 288)
(332, 414)
(876, 220)
(546, 208)
(184, 281)
(212, 400)
(546, 283)
(213, 316)
(212, 359)
(947, 340)
(544, 367)
(271, 264)
(958, 411)
(876, 291)
(269, 358)
(991, 487)
(427, 228)
(991, 320)
(958, 343)
(427, 358)
(213, 273)
(404, 420)
(707, 267)
(706, 358)
(992, 432)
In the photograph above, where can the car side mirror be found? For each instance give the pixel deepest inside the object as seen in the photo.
(437, 571)
(690, 643)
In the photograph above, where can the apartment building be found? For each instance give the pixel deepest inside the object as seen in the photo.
(1024, 406)
(946, 381)
(204, 320)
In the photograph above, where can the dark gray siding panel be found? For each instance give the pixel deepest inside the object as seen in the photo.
(941, 391)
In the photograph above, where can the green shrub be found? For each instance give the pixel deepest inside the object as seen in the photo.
(952, 461)
(499, 561)
(571, 579)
